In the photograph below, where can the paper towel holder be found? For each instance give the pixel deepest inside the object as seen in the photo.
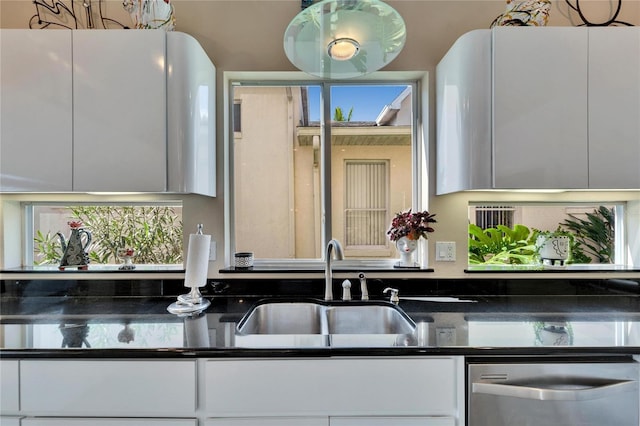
(193, 301)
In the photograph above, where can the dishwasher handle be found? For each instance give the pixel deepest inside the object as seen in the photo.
(559, 392)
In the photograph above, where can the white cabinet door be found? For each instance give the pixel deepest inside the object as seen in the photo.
(35, 111)
(269, 421)
(540, 107)
(119, 112)
(314, 387)
(106, 422)
(108, 388)
(392, 421)
(9, 385)
(614, 107)
(463, 83)
(9, 421)
(191, 116)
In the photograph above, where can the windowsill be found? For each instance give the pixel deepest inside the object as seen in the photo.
(98, 269)
(386, 265)
(281, 270)
(585, 267)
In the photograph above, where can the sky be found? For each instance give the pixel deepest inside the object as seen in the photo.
(367, 101)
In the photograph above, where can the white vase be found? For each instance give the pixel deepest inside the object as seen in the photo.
(553, 250)
(406, 247)
(423, 249)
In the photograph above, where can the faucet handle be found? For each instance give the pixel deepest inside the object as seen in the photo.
(346, 290)
(363, 286)
(394, 294)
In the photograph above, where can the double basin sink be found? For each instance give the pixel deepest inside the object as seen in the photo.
(316, 323)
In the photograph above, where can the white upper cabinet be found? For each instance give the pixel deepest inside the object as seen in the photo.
(35, 111)
(539, 108)
(119, 111)
(463, 114)
(614, 107)
(107, 110)
(191, 116)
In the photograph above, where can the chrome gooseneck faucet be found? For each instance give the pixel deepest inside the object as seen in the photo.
(328, 274)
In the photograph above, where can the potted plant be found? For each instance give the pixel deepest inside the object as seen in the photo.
(554, 247)
(501, 245)
(406, 229)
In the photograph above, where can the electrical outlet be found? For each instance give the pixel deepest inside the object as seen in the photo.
(445, 251)
(212, 251)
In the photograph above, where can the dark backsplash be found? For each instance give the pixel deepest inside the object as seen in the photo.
(292, 287)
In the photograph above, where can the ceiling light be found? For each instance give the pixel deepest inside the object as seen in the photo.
(344, 38)
(343, 49)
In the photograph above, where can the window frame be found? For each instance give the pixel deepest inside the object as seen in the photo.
(419, 148)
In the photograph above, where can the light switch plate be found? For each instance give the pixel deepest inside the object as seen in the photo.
(445, 251)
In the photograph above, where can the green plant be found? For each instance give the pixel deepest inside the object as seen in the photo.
(501, 245)
(595, 234)
(153, 232)
(338, 115)
(47, 248)
(411, 225)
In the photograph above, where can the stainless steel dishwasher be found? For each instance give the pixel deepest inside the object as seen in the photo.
(553, 394)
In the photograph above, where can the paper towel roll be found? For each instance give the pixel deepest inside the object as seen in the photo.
(197, 260)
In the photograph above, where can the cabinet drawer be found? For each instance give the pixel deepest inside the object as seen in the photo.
(379, 386)
(9, 421)
(269, 421)
(9, 387)
(108, 388)
(107, 422)
(392, 421)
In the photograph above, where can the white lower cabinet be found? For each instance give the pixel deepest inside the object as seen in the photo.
(324, 391)
(107, 388)
(9, 385)
(269, 421)
(392, 421)
(333, 421)
(350, 391)
(106, 422)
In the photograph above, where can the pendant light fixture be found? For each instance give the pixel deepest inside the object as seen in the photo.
(340, 39)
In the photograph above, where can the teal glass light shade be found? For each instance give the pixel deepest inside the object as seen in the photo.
(340, 39)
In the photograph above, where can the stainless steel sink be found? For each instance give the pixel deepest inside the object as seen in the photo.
(316, 323)
(369, 318)
(284, 318)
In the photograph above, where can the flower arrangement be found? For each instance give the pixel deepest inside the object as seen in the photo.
(125, 252)
(411, 225)
(74, 224)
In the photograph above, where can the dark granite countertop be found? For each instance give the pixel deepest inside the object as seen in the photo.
(489, 317)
